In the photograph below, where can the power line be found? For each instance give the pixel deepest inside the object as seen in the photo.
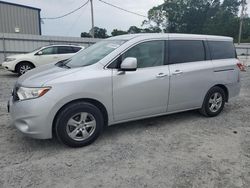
(73, 11)
(123, 9)
(75, 21)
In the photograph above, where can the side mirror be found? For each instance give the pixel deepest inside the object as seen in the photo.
(129, 64)
(39, 53)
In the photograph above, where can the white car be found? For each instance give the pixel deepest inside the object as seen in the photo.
(54, 53)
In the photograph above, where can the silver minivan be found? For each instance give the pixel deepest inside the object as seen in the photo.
(125, 78)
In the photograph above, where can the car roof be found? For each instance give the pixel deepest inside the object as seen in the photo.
(171, 35)
(63, 45)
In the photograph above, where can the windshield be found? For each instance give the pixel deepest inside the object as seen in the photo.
(35, 50)
(93, 54)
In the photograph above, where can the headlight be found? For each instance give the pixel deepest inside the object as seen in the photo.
(24, 93)
(10, 59)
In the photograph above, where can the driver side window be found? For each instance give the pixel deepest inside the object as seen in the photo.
(148, 54)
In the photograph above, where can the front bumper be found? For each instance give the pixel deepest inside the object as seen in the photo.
(32, 117)
(10, 66)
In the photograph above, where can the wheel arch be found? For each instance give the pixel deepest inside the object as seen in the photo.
(95, 102)
(24, 61)
(225, 89)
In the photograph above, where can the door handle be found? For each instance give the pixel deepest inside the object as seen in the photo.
(161, 75)
(177, 72)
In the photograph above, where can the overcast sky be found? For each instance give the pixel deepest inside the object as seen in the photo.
(105, 16)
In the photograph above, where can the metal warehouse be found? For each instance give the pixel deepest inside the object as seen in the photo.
(15, 18)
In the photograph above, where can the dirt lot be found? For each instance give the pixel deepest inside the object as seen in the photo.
(181, 150)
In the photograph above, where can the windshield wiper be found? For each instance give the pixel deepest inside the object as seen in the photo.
(63, 64)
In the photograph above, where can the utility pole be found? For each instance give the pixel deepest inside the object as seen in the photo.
(92, 19)
(242, 18)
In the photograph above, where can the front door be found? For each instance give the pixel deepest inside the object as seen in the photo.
(143, 92)
(48, 55)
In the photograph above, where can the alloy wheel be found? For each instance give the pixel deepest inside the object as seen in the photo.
(24, 69)
(81, 126)
(215, 102)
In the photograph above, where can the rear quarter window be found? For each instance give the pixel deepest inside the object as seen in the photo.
(76, 49)
(222, 49)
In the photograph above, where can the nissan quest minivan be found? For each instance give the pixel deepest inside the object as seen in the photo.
(125, 78)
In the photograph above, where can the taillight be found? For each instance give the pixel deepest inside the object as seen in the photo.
(241, 66)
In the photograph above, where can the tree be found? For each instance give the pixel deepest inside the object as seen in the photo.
(85, 35)
(231, 6)
(225, 21)
(117, 32)
(197, 16)
(99, 33)
(134, 29)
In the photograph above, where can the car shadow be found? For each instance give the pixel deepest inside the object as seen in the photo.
(155, 122)
(7, 74)
(165, 121)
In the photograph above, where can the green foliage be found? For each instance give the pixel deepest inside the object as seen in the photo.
(85, 35)
(198, 17)
(99, 33)
(215, 17)
(134, 29)
(117, 32)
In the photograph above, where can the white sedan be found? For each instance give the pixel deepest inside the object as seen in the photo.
(49, 54)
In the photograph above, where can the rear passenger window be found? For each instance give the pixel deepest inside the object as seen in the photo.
(65, 50)
(182, 51)
(222, 49)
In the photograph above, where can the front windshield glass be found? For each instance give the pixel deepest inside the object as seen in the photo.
(94, 53)
(36, 50)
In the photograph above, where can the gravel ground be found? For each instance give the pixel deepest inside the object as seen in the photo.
(181, 150)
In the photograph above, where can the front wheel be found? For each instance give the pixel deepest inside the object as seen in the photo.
(24, 67)
(79, 124)
(214, 102)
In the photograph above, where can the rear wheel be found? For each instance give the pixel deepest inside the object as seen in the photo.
(24, 67)
(214, 102)
(79, 124)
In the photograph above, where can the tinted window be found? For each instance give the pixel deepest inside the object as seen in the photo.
(182, 51)
(222, 49)
(65, 50)
(49, 51)
(76, 49)
(148, 54)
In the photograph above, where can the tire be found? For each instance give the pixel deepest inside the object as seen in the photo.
(79, 124)
(23, 67)
(212, 107)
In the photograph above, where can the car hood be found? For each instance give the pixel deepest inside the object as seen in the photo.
(39, 76)
(16, 56)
